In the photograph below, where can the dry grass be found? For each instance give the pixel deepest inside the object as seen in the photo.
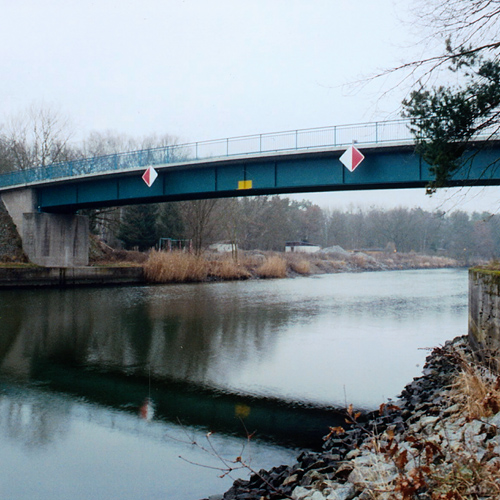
(301, 267)
(273, 267)
(251, 261)
(478, 391)
(175, 267)
(359, 260)
(298, 263)
(416, 261)
(228, 269)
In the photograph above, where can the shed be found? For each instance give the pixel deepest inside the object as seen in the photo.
(301, 246)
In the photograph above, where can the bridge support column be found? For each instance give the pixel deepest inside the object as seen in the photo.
(50, 240)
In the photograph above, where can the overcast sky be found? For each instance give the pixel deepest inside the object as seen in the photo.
(207, 69)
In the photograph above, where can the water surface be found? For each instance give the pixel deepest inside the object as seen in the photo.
(102, 389)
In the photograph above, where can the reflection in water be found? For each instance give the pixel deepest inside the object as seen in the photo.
(32, 421)
(176, 332)
(55, 447)
(194, 405)
(275, 354)
(147, 410)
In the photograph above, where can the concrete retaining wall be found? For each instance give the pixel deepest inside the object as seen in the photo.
(51, 240)
(56, 240)
(66, 277)
(484, 310)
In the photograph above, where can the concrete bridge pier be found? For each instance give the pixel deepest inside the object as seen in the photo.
(49, 240)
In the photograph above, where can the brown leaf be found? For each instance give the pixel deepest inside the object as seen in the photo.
(401, 460)
(334, 431)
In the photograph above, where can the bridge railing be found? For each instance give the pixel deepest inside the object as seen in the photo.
(313, 138)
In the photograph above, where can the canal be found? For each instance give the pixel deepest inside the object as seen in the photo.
(151, 392)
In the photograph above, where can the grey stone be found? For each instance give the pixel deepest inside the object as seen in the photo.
(342, 492)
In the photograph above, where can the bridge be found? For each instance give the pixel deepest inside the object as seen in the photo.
(43, 201)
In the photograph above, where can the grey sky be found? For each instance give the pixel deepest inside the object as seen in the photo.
(203, 69)
(198, 69)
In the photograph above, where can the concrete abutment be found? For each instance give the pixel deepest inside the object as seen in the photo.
(49, 240)
(484, 313)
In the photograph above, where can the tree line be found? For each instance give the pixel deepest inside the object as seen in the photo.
(268, 222)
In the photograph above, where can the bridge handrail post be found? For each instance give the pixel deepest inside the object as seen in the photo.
(260, 143)
(196, 150)
(227, 146)
(376, 132)
(335, 135)
(296, 139)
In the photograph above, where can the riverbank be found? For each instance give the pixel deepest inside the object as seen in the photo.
(439, 440)
(176, 267)
(139, 268)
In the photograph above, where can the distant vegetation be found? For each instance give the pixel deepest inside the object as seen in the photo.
(265, 223)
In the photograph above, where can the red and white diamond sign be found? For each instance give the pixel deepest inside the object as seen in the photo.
(352, 158)
(149, 176)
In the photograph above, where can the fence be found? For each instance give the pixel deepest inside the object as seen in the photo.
(169, 245)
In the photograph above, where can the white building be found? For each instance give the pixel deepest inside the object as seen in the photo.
(223, 247)
(301, 246)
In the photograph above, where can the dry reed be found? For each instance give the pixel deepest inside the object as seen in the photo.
(175, 267)
(228, 269)
(301, 267)
(273, 267)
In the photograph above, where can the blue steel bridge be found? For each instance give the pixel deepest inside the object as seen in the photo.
(284, 162)
(42, 201)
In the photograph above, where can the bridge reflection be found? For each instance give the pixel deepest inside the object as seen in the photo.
(117, 349)
(192, 405)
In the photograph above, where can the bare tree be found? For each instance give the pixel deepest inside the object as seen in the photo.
(449, 30)
(38, 137)
(111, 142)
(109, 221)
(199, 221)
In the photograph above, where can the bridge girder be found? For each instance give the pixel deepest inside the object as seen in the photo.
(383, 168)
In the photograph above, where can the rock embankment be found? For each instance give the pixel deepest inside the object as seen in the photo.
(440, 440)
(10, 242)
